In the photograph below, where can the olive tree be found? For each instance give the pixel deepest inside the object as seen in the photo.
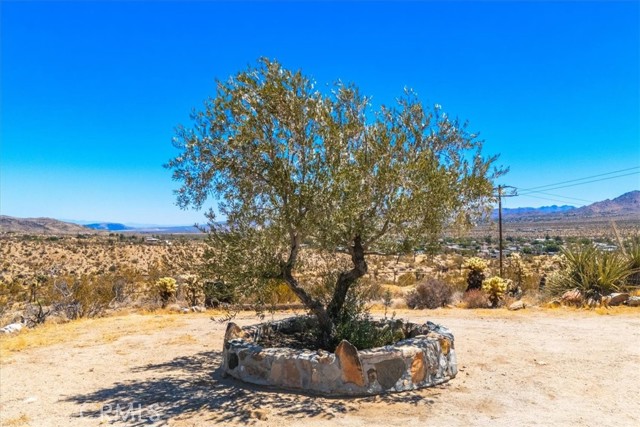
(286, 163)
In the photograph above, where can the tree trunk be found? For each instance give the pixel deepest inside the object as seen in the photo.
(325, 322)
(326, 317)
(348, 278)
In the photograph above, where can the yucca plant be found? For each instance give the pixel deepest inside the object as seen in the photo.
(633, 255)
(591, 271)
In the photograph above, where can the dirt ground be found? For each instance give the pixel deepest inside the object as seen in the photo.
(532, 367)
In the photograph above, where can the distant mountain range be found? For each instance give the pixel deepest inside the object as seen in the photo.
(54, 226)
(39, 226)
(109, 226)
(156, 229)
(544, 210)
(625, 206)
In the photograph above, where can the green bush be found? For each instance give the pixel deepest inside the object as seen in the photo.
(355, 324)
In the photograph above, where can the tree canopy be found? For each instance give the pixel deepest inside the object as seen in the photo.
(287, 163)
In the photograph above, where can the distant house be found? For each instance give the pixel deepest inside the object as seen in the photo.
(605, 247)
(152, 240)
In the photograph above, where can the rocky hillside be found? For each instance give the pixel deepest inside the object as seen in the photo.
(39, 226)
(626, 205)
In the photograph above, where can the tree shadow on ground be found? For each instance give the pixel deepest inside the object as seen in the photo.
(190, 385)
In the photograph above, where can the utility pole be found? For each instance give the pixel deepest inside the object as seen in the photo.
(500, 196)
(500, 225)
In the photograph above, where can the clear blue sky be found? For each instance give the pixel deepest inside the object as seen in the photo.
(91, 91)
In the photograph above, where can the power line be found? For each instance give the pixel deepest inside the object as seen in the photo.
(580, 183)
(582, 179)
(562, 197)
(547, 199)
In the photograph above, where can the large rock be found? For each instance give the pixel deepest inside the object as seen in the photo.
(418, 370)
(389, 372)
(572, 297)
(350, 363)
(11, 328)
(633, 302)
(233, 331)
(518, 305)
(618, 298)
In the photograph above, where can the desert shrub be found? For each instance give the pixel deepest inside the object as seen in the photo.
(495, 288)
(84, 296)
(12, 291)
(476, 267)
(387, 300)
(455, 280)
(406, 279)
(192, 289)
(35, 314)
(217, 292)
(278, 292)
(430, 294)
(475, 298)
(591, 271)
(165, 288)
(520, 274)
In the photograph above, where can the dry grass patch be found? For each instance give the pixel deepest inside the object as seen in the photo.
(22, 420)
(181, 340)
(619, 309)
(108, 329)
(40, 337)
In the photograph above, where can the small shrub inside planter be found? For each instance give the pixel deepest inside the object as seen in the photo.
(356, 325)
(475, 298)
(430, 294)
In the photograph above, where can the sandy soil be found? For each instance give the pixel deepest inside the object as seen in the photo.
(532, 367)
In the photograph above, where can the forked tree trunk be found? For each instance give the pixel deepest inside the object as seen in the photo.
(328, 316)
(347, 278)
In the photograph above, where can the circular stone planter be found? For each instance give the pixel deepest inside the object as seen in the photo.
(426, 358)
